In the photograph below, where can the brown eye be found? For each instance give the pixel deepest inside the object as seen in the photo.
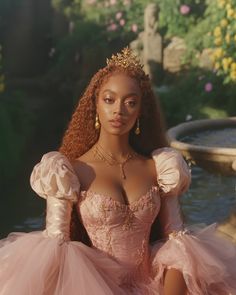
(131, 103)
(108, 100)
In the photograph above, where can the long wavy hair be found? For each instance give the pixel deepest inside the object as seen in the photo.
(81, 133)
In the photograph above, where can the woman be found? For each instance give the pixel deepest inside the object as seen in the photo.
(107, 189)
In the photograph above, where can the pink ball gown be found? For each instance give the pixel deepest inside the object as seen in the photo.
(120, 260)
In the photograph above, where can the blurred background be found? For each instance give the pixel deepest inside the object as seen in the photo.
(49, 50)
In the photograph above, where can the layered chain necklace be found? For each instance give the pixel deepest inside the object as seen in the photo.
(109, 159)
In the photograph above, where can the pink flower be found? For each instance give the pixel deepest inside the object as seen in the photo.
(113, 2)
(208, 87)
(184, 9)
(90, 2)
(112, 27)
(126, 2)
(118, 15)
(134, 28)
(122, 22)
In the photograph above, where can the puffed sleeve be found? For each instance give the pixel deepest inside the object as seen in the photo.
(54, 176)
(54, 179)
(182, 245)
(173, 174)
(173, 177)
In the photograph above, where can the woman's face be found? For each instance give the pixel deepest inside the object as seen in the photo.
(119, 104)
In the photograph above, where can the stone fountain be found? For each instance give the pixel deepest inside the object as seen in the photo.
(217, 158)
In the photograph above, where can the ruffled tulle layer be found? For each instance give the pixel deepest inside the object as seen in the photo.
(207, 261)
(32, 264)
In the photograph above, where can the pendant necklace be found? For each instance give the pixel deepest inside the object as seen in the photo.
(109, 159)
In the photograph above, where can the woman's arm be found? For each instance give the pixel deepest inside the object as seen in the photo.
(171, 222)
(174, 283)
(58, 218)
(54, 179)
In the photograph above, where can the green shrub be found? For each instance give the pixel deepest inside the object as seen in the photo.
(15, 127)
(223, 38)
(196, 94)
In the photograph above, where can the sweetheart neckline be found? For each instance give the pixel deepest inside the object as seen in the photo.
(90, 192)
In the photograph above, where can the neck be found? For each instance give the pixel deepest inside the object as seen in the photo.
(116, 145)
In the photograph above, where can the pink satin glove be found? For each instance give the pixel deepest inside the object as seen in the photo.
(54, 179)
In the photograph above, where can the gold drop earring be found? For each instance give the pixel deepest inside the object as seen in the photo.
(97, 123)
(137, 130)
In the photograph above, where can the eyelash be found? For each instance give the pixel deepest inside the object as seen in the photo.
(132, 103)
(109, 100)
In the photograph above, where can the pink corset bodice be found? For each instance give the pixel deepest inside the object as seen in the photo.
(118, 229)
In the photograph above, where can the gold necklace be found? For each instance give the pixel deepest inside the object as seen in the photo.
(109, 159)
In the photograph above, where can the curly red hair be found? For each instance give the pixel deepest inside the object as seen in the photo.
(81, 134)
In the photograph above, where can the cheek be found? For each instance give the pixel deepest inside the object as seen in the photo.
(103, 110)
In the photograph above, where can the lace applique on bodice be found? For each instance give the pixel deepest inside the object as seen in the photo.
(118, 229)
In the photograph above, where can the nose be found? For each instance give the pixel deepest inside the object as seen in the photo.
(118, 108)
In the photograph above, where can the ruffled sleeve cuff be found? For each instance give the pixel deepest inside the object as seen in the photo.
(173, 174)
(54, 176)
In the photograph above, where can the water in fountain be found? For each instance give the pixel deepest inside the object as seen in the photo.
(211, 197)
(224, 137)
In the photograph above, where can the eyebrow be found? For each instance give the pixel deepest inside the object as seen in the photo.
(127, 95)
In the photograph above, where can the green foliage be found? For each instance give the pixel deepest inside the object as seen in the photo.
(71, 9)
(15, 127)
(80, 54)
(223, 38)
(196, 94)
(174, 18)
(126, 16)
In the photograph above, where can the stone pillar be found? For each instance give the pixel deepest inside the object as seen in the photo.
(152, 40)
(148, 46)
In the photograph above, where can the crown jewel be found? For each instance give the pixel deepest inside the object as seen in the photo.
(125, 59)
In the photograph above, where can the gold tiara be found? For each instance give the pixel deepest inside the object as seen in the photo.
(125, 59)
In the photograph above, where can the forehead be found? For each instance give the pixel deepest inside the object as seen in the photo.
(121, 83)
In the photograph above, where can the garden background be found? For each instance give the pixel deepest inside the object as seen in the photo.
(50, 50)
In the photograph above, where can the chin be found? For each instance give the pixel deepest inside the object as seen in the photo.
(117, 132)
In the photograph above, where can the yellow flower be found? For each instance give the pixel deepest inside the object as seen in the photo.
(218, 41)
(226, 63)
(228, 6)
(227, 38)
(233, 75)
(233, 66)
(218, 52)
(221, 3)
(230, 13)
(217, 66)
(230, 60)
(224, 23)
(217, 32)
(2, 87)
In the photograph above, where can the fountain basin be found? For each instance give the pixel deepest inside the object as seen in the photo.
(216, 159)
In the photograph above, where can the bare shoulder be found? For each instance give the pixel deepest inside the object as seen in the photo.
(84, 168)
(147, 165)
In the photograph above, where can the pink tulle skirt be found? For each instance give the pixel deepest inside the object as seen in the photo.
(32, 264)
